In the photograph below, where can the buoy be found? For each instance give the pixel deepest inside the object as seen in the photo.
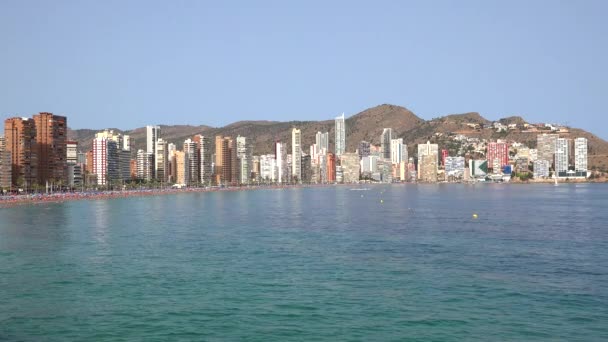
(474, 216)
(361, 195)
(381, 201)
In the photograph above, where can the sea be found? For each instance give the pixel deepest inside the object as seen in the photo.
(436, 262)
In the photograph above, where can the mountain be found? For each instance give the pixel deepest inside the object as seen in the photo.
(366, 125)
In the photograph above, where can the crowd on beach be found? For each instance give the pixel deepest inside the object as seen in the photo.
(8, 200)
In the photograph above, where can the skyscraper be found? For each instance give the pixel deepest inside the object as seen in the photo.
(364, 149)
(106, 160)
(204, 148)
(545, 143)
(162, 160)
(20, 140)
(385, 143)
(226, 168)
(398, 151)
(562, 156)
(280, 155)
(428, 155)
(152, 134)
(322, 141)
(5, 165)
(296, 154)
(498, 155)
(244, 156)
(340, 135)
(144, 165)
(580, 157)
(71, 152)
(192, 162)
(330, 166)
(51, 136)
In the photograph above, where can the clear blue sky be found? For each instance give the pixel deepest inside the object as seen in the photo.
(126, 64)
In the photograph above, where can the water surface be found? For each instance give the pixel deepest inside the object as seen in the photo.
(400, 262)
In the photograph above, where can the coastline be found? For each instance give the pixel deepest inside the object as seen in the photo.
(36, 199)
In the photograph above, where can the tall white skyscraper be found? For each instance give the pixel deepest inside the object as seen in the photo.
(580, 157)
(296, 154)
(193, 166)
(562, 156)
(385, 143)
(322, 141)
(398, 151)
(280, 154)
(340, 135)
(152, 135)
(243, 155)
(162, 160)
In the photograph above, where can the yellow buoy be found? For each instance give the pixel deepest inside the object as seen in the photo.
(474, 216)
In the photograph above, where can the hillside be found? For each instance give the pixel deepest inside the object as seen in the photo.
(366, 125)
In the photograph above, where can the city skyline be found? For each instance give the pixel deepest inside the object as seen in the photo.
(136, 61)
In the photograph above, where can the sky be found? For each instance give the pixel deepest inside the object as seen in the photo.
(126, 64)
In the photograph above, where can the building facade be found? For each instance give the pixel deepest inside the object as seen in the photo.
(340, 135)
(385, 143)
(20, 141)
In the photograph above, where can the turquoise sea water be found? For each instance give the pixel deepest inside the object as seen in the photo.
(308, 264)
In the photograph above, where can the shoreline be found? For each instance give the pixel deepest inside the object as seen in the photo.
(36, 199)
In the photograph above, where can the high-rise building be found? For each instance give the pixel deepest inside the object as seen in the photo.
(331, 168)
(106, 157)
(145, 165)
(296, 154)
(126, 143)
(133, 168)
(363, 149)
(580, 157)
(71, 151)
(280, 155)
(244, 156)
(89, 163)
(51, 136)
(385, 143)
(427, 161)
(226, 163)
(204, 151)
(562, 156)
(498, 155)
(541, 168)
(267, 168)
(162, 160)
(20, 140)
(152, 135)
(180, 167)
(398, 151)
(192, 161)
(6, 179)
(74, 175)
(427, 164)
(545, 144)
(322, 142)
(351, 167)
(340, 135)
(306, 169)
(124, 164)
